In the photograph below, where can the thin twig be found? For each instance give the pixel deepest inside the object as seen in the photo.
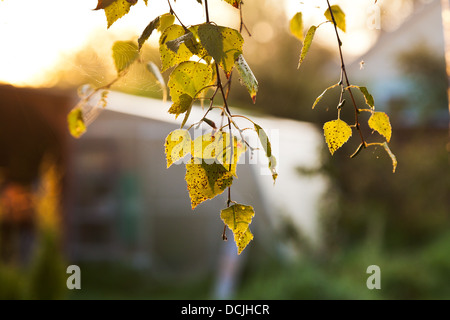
(175, 14)
(344, 75)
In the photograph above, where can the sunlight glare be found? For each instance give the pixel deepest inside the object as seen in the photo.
(36, 36)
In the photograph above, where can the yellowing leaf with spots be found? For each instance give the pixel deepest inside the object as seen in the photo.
(379, 121)
(206, 181)
(248, 79)
(177, 146)
(222, 43)
(115, 10)
(211, 169)
(210, 148)
(182, 104)
(339, 17)
(238, 218)
(169, 58)
(124, 54)
(186, 81)
(307, 44)
(75, 120)
(336, 132)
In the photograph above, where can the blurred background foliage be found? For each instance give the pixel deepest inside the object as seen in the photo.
(400, 221)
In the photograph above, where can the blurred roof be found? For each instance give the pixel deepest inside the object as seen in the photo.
(294, 143)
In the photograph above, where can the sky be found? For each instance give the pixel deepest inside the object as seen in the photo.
(37, 35)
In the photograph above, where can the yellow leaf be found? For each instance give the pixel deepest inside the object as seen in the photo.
(339, 16)
(379, 121)
(238, 218)
(211, 169)
(337, 132)
(177, 146)
(216, 148)
(168, 57)
(117, 10)
(75, 120)
(296, 26)
(307, 44)
(165, 21)
(206, 181)
(186, 81)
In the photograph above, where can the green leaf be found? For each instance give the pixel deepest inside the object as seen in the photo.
(234, 3)
(124, 54)
(296, 26)
(307, 44)
(379, 121)
(264, 139)
(148, 31)
(339, 16)
(75, 120)
(187, 80)
(196, 47)
(247, 77)
(222, 43)
(168, 57)
(336, 132)
(323, 93)
(115, 10)
(238, 218)
(174, 45)
(206, 181)
(265, 142)
(177, 146)
(367, 96)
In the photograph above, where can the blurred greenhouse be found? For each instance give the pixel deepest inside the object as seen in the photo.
(107, 203)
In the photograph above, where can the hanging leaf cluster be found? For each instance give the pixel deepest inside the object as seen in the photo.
(199, 61)
(196, 59)
(337, 132)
